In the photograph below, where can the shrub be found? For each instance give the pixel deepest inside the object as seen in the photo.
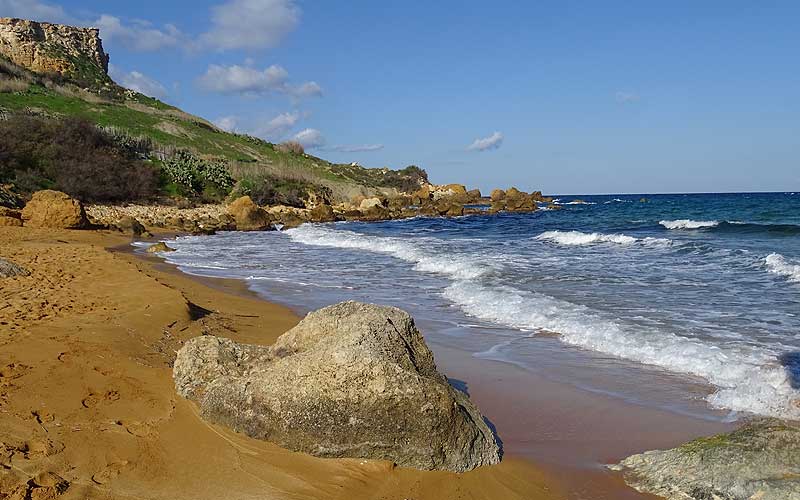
(197, 176)
(74, 156)
(267, 190)
(12, 85)
(291, 147)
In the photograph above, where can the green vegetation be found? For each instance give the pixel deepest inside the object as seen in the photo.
(166, 136)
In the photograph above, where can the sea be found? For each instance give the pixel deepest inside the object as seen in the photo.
(685, 302)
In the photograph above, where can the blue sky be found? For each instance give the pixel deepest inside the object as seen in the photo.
(566, 97)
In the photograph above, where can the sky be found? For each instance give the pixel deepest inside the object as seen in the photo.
(563, 96)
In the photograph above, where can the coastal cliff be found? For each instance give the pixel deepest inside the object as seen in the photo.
(47, 48)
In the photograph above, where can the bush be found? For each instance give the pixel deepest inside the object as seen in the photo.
(267, 190)
(74, 156)
(196, 176)
(291, 147)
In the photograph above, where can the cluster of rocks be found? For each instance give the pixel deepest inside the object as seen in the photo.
(514, 200)
(350, 380)
(761, 460)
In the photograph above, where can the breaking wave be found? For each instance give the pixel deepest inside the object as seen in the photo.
(577, 238)
(777, 264)
(688, 224)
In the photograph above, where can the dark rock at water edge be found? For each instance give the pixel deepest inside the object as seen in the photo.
(761, 460)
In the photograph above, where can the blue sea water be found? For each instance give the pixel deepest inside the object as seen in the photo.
(686, 302)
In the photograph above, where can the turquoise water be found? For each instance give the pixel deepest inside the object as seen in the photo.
(686, 302)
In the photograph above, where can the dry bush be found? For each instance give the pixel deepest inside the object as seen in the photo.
(11, 85)
(291, 147)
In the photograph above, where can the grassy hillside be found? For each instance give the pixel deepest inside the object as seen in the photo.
(131, 117)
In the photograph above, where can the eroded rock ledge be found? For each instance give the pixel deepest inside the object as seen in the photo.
(350, 380)
(760, 461)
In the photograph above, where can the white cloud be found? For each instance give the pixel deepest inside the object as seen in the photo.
(494, 141)
(227, 123)
(626, 97)
(137, 81)
(279, 126)
(250, 24)
(310, 138)
(246, 80)
(357, 148)
(140, 36)
(35, 10)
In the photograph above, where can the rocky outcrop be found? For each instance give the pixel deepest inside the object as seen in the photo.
(10, 218)
(51, 48)
(9, 270)
(761, 461)
(248, 215)
(321, 213)
(129, 225)
(514, 200)
(54, 209)
(350, 380)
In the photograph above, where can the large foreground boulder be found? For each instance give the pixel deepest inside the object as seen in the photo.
(758, 461)
(350, 380)
(54, 209)
(248, 215)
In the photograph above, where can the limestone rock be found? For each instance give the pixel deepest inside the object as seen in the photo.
(350, 380)
(131, 226)
(370, 203)
(322, 213)
(8, 269)
(10, 217)
(498, 195)
(51, 48)
(761, 461)
(248, 215)
(159, 247)
(54, 209)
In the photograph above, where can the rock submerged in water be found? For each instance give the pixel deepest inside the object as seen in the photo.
(760, 461)
(159, 247)
(350, 380)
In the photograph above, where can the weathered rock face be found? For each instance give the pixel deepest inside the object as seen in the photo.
(54, 209)
(10, 217)
(758, 461)
(248, 215)
(8, 269)
(350, 380)
(322, 213)
(50, 48)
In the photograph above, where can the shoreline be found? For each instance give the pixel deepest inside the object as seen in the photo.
(547, 426)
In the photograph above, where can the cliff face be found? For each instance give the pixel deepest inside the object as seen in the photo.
(54, 48)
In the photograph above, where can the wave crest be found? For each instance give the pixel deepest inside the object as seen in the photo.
(688, 224)
(777, 264)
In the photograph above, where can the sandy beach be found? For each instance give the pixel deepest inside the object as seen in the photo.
(87, 394)
(86, 390)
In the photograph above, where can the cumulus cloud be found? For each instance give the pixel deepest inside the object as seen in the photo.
(279, 126)
(137, 81)
(139, 35)
(246, 80)
(494, 141)
(361, 148)
(626, 97)
(250, 24)
(227, 123)
(310, 138)
(33, 9)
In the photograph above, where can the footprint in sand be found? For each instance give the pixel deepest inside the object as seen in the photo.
(44, 485)
(93, 399)
(110, 472)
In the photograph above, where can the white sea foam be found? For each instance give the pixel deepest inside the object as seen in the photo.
(748, 378)
(777, 264)
(575, 238)
(688, 224)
